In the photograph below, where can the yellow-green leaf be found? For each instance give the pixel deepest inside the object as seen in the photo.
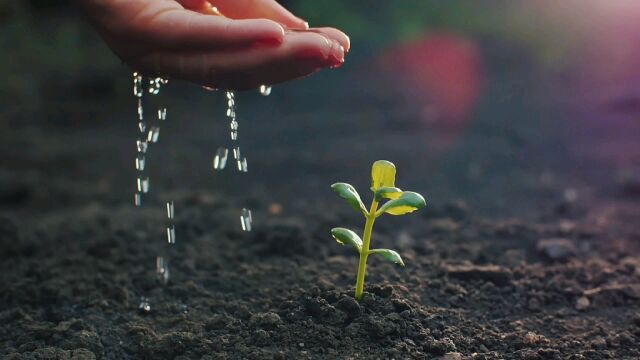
(347, 237)
(383, 174)
(388, 255)
(350, 194)
(387, 193)
(407, 202)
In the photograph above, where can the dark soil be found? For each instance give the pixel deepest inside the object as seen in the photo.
(521, 253)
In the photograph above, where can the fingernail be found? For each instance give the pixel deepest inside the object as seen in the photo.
(336, 55)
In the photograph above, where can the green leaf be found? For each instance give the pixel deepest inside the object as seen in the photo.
(387, 192)
(347, 237)
(408, 202)
(389, 255)
(350, 194)
(383, 174)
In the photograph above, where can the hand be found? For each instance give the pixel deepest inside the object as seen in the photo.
(256, 41)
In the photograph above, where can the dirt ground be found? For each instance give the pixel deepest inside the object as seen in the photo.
(523, 252)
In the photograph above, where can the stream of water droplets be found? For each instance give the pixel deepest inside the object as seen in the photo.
(150, 135)
(145, 138)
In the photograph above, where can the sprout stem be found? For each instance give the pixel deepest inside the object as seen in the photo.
(364, 253)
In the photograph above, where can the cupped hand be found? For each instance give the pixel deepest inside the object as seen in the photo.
(256, 41)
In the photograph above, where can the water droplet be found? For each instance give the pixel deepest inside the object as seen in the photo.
(137, 85)
(137, 199)
(234, 135)
(144, 306)
(234, 125)
(142, 146)
(155, 85)
(140, 109)
(140, 162)
(246, 219)
(242, 165)
(236, 152)
(170, 210)
(143, 185)
(265, 90)
(220, 160)
(162, 114)
(171, 235)
(162, 269)
(142, 126)
(153, 134)
(230, 95)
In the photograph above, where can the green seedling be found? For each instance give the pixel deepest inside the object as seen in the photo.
(396, 202)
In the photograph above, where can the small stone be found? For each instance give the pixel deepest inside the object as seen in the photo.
(451, 356)
(268, 320)
(531, 338)
(439, 347)
(557, 249)
(493, 273)
(582, 303)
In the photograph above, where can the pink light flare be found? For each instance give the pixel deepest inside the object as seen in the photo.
(440, 72)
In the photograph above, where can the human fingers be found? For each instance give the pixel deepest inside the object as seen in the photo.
(256, 9)
(300, 54)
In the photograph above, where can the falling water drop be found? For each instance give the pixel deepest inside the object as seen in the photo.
(162, 269)
(143, 185)
(242, 165)
(137, 85)
(153, 134)
(140, 162)
(142, 146)
(162, 114)
(140, 109)
(246, 219)
(220, 160)
(265, 90)
(144, 306)
(170, 210)
(137, 199)
(171, 235)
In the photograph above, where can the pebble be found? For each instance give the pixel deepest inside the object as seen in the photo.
(493, 273)
(268, 320)
(557, 249)
(582, 303)
(451, 356)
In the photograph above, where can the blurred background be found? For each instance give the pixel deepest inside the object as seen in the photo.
(510, 108)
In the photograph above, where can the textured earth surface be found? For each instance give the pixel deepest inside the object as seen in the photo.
(522, 253)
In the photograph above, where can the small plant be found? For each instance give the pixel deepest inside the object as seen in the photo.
(398, 202)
